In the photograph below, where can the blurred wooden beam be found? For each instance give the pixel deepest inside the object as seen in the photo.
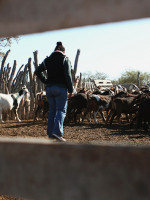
(35, 168)
(19, 17)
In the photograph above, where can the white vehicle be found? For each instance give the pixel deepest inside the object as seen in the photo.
(103, 83)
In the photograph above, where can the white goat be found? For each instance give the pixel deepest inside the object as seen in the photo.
(11, 102)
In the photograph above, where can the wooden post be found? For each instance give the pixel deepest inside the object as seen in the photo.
(27, 109)
(10, 81)
(8, 70)
(25, 76)
(138, 79)
(75, 66)
(76, 61)
(15, 80)
(31, 88)
(2, 65)
(37, 81)
(21, 110)
(80, 81)
(18, 82)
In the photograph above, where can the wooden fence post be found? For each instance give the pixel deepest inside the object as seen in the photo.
(80, 81)
(2, 65)
(138, 79)
(75, 66)
(31, 88)
(10, 81)
(39, 85)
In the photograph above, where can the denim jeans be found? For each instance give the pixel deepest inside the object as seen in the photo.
(57, 99)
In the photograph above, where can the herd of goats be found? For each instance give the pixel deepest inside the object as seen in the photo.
(115, 103)
(108, 103)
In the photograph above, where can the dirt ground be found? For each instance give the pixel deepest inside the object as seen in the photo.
(78, 133)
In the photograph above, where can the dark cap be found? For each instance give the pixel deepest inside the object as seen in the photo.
(59, 46)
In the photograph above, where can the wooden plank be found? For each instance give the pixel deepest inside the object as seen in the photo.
(39, 169)
(23, 17)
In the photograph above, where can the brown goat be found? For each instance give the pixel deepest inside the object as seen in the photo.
(42, 105)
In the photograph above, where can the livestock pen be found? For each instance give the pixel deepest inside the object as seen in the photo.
(35, 168)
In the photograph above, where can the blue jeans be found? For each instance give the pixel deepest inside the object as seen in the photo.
(57, 99)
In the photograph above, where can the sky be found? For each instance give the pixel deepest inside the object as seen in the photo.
(110, 48)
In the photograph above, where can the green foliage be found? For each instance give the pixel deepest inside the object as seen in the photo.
(132, 77)
(96, 75)
(126, 77)
(6, 42)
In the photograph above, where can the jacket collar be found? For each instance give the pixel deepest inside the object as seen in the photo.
(59, 52)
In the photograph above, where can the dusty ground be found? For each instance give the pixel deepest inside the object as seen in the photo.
(78, 133)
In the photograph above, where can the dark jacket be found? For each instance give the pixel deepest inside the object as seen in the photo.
(58, 69)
